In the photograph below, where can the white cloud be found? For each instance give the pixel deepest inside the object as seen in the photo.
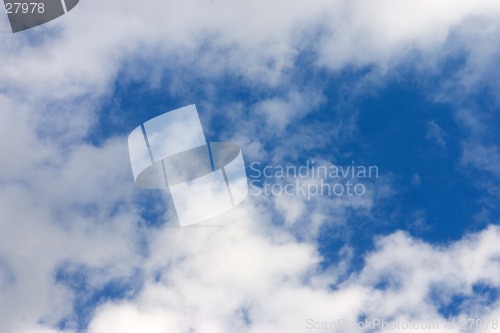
(436, 134)
(279, 113)
(483, 158)
(81, 53)
(56, 208)
(238, 280)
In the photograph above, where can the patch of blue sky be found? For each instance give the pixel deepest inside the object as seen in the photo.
(152, 205)
(392, 129)
(88, 297)
(135, 99)
(451, 306)
(7, 275)
(439, 207)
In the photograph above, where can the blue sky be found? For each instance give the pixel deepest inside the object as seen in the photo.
(411, 89)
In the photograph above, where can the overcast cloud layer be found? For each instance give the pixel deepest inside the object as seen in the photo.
(71, 222)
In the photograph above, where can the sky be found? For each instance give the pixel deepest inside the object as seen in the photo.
(408, 87)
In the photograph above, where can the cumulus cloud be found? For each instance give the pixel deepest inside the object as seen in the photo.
(239, 281)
